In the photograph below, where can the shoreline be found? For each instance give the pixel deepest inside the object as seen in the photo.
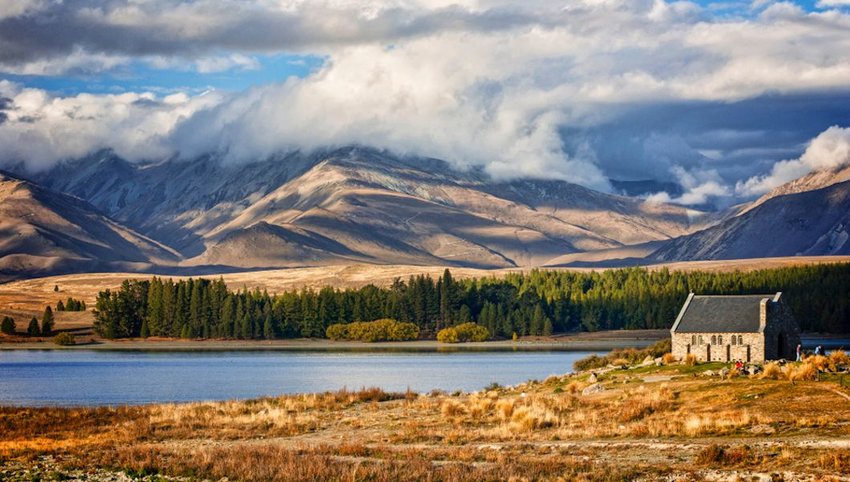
(584, 341)
(598, 341)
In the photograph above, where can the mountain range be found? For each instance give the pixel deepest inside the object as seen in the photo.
(361, 205)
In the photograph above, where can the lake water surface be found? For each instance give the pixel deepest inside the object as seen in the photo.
(110, 378)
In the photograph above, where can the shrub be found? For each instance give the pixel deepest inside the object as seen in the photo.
(838, 358)
(590, 362)
(447, 335)
(668, 359)
(371, 331)
(805, 371)
(338, 331)
(659, 348)
(772, 372)
(64, 339)
(690, 359)
(621, 362)
(7, 326)
(820, 362)
(451, 408)
(463, 333)
(711, 454)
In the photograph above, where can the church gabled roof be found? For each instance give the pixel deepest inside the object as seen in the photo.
(721, 314)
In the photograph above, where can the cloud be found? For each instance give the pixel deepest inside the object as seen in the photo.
(537, 89)
(828, 151)
(51, 29)
(41, 129)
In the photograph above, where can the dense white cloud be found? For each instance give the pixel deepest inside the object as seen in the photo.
(41, 129)
(828, 151)
(479, 83)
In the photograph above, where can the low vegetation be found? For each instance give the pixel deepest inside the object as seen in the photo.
(685, 427)
(65, 339)
(465, 332)
(628, 356)
(371, 331)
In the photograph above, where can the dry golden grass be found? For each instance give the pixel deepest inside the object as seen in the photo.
(839, 358)
(772, 371)
(532, 432)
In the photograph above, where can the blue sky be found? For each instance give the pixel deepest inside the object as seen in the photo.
(141, 76)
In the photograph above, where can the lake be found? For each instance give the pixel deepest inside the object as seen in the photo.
(38, 378)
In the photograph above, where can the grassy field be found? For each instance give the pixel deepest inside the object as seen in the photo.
(671, 422)
(27, 298)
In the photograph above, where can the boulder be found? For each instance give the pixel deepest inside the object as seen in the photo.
(592, 378)
(648, 361)
(724, 372)
(659, 361)
(708, 373)
(591, 389)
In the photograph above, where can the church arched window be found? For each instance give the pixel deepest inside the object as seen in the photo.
(713, 339)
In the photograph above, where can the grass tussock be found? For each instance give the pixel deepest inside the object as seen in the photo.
(839, 358)
(690, 359)
(720, 455)
(837, 461)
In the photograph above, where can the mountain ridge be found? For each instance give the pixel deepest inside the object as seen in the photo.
(379, 207)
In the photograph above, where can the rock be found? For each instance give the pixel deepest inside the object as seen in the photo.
(592, 378)
(724, 373)
(647, 361)
(659, 361)
(708, 373)
(591, 389)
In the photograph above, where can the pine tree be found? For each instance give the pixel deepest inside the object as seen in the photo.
(33, 329)
(47, 322)
(8, 325)
(60, 306)
(245, 327)
(547, 327)
(268, 328)
(464, 315)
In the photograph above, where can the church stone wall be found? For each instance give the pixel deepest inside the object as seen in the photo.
(779, 339)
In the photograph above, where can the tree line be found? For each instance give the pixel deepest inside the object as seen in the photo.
(538, 302)
(71, 305)
(8, 325)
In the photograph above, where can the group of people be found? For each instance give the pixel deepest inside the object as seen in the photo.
(818, 351)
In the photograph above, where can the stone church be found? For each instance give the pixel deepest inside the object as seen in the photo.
(750, 328)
